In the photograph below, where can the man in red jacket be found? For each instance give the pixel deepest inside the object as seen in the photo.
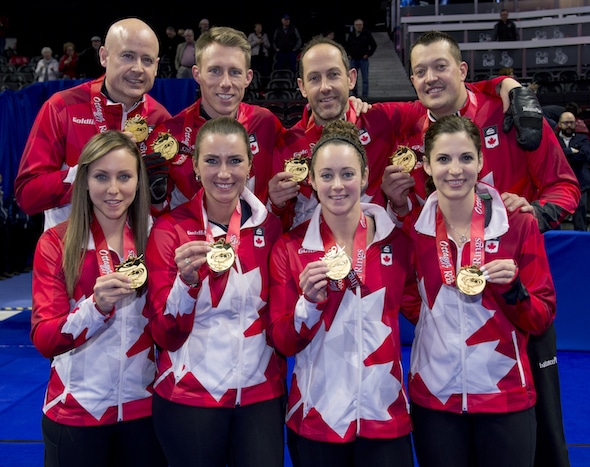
(118, 100)
(539, 181)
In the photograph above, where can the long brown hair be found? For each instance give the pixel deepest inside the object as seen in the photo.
(78, 229)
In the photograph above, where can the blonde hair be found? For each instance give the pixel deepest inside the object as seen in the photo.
(226, 36)
(78, 228)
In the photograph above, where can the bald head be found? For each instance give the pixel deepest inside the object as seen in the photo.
(130, 58)
(123, 29)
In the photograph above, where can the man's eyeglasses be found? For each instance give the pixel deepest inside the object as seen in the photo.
(567, 123)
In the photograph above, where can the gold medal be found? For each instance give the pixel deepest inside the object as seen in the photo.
(135, 269)
(167, 145)
(138, 126)
(470, 280)
(338, 262)
(298, 167)
(221, 256)
(405, 157)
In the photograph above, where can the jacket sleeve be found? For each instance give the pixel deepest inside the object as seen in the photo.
(530, 301)
(559, 190)
(293, 318)
(171, 302)
(57, 325)
(43, 180)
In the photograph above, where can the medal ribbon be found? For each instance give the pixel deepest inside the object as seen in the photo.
(233, 231)
(97, 103)
(358, 258)
(476, 252)
(103, 253)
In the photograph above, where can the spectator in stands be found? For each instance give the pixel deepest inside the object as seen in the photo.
(478, 266)
(170, 43)
(553, 112)
(330, 34)
(47, 68)
(68, 63)
(89, 62)
(203, 26)
(261, 47)
(533, 177)
(119, 100)
(360, 45)
(286, 41)
(505, 29)
(185, 55)
(88, 316)
(220, 387)
(576, 148)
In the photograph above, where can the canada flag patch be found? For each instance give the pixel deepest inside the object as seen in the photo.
(490, 135)
(364, 136)
(259, 237)
(254, 144)
(386, 255)
(492, 245)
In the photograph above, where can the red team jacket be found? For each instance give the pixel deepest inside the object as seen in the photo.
(470, 352)
(212, 338)
(348, 380)
(263, 127)
(65, 123)
(102, 367)
(375, 133)
(544, 176)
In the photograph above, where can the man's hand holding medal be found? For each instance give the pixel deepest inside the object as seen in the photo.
(285, 185)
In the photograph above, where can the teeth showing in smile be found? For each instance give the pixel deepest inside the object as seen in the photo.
(455, 183)
(224, 185)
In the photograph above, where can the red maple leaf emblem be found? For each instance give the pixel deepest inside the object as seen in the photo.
(252, 147)
(492, 247)
(364, 137)
(492, 140)
(258, 240)
(387, 259)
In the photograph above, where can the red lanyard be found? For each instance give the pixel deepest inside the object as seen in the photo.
(103, 254)
(358, 255)
(445, 260)
(233, 231)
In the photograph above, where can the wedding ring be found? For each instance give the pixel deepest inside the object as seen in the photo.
(187, 261)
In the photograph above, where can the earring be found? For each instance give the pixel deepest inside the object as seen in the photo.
(198, 177)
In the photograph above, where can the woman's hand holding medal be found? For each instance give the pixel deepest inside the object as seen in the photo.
(313, 281)
(110, 288)
(500, 271)
(189, 257)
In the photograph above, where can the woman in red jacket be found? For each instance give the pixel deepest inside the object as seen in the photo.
(338, 283)
(478, 268)
(88, 303)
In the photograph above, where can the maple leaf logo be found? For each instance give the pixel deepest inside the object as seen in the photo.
(212, 330)
(337, 401)
(75, 367)
(492, 246)
(443, 332)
